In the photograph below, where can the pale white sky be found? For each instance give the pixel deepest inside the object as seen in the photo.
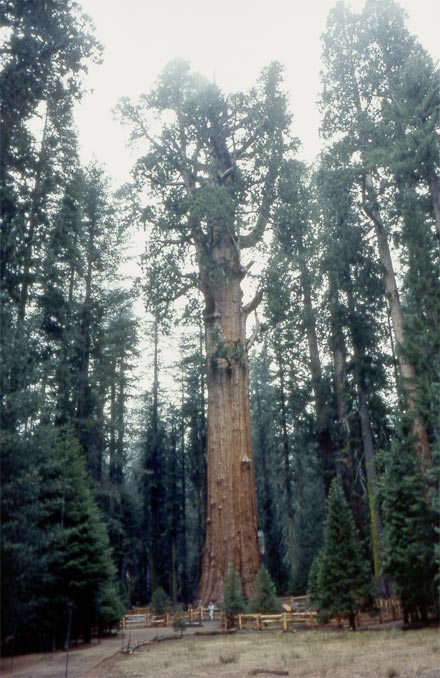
(229, 40)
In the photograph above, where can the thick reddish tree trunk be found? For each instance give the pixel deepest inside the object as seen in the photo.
(231, 525)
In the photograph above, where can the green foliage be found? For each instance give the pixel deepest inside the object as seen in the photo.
(410, 534)
(264, 595)
(341, 580)
(233, 601)
(160, 602)
(62, 558)
(264, 412)
(179, 621)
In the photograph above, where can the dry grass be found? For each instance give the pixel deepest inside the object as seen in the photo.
(388, 654)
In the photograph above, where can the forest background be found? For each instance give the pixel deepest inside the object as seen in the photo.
(103, 490)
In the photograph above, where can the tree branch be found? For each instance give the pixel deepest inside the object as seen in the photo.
(252, 238)
(250, 342)
(254, 303)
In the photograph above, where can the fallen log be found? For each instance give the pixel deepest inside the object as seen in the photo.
(215, 632)
(273, 672)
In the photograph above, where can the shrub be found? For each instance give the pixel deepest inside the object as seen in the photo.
(179, 622)
(264, 596)
(159, 601)
(233, 599)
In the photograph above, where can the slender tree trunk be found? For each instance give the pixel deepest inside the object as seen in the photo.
(37, 195)
(182, 469)
(435, 198)
(231, 525)
(155, 507)
(324, 436)
(407, 369)
(120, 424)
(288, 485)
(116, 447)
(376, 527)
(174, 517)
(337, 347)
(345, 466)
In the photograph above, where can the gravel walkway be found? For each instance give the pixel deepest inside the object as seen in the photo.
(81, 661)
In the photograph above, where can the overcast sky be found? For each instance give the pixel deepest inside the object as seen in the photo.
(229, 41)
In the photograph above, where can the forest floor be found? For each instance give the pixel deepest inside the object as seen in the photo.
(371, 653)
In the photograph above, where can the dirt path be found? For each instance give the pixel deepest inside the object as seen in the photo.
(81, 662)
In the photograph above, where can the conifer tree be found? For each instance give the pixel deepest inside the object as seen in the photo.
(364, 56)
(233, 601)
(264, 595)
(343, 578)
(160, 602)
(211, 170)
(410, 536)
(267, 464)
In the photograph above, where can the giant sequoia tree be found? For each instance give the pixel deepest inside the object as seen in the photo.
(211, 164)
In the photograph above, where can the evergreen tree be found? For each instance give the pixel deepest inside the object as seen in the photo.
(410, 535)
(298, 469)
(297, 243)
(264, 595)
(193, 372)
(84, 568)
(179, 622)
(343, 578)
(160, 602)
(212, 172)
(233, 602)
(265, 412)
(357, 338)
(69, 563)
(364, 56)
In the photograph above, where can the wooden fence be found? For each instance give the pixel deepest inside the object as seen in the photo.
(385, 611)
(142, 618)
(299, 615)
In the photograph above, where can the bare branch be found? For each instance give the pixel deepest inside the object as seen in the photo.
(252, 238)
(226, 174)
(250, 342)
(254, 303)
(179, 241)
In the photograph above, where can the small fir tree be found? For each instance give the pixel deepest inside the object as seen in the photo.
(179, 623)
(312, 585)
(264, 596)
(160, 601)
(233, 599)
(343, 577)
(410, 535)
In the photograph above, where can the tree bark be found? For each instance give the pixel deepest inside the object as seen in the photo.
(231, 525)
(324, 436)
(288, 485)
(344, 466)
(407, 369)
(376, 525)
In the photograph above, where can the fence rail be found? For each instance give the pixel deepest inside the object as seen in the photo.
(142, 618)
(300, 615)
